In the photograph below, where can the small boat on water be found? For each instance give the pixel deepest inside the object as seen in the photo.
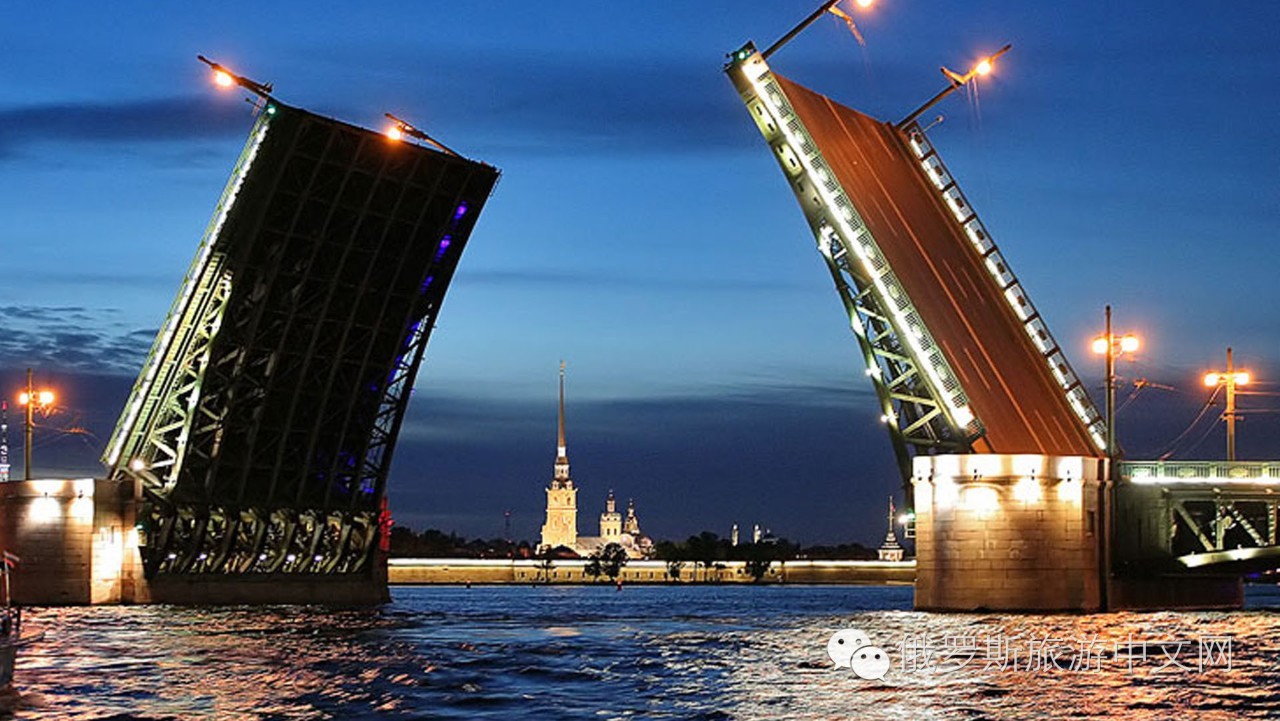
(11, 638)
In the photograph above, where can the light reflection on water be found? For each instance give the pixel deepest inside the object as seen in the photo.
(593, 652)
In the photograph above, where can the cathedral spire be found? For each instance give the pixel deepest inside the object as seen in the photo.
(562, 454)
(561, 447)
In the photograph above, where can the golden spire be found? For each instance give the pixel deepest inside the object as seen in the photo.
(562, 454)
(560, 445)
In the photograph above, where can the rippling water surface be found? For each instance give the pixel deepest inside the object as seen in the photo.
(644, 652)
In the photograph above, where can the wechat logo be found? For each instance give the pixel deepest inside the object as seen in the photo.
(851, 648)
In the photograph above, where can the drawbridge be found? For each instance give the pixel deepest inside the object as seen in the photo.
(260, 431)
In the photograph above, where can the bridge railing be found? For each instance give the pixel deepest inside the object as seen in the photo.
(953, 198)
(1174, 472)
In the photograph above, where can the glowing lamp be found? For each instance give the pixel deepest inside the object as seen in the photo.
(395, 133)
(1242, 378)
(865, 3)
(1129, 343)
(1027, 490)
(1211, 379)
(1100, 345)
(39, 398)
(983, 67)
(981, 500)
(223, 79)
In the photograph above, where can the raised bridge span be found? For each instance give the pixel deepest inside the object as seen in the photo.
(1002, 452)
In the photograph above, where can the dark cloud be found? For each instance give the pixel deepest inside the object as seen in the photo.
(69, 277)
(613, 280)
(513, 104)
(520, 103)
(71, 339)
(125, 121)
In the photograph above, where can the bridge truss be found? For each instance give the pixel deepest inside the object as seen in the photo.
(1215, 513)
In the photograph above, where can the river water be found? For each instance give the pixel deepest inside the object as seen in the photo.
(708, 652)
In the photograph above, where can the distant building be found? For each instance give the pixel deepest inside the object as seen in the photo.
(890, 550)
(561, 526)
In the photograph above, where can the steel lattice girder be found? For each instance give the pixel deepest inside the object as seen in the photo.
(265, 419)
(1221, 521)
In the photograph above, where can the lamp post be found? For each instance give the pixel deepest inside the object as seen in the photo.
(224, 78)
(400, 128)
(1111, 346)
(982, 67)
(30, 398)
(1230, 379)
(828, 6)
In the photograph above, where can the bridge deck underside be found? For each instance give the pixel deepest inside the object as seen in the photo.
(1005, 376)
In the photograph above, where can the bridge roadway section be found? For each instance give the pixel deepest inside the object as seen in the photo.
(1006, 378)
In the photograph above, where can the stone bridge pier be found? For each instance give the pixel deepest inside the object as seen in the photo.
(1051, 533)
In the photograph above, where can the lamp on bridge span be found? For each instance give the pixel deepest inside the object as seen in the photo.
(828, 6)
(31, 398)
(984, 66)
(1113, 346)
(400, 129)
(224, 78)
(1231, 378)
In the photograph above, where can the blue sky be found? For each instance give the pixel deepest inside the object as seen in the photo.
(1121, 154)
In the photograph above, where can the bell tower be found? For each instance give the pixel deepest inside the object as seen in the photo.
(611, 520)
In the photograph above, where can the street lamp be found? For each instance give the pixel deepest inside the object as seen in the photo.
(982, 67)
(1112, 346)
(31, 398)
(828, 6)
(224, 78)
(400, 128)
(1231, 378)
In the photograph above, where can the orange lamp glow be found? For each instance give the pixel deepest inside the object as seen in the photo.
(983, 67)
(1100, 345)
(39, 398)
(395, 133)
(865, 3)
(1211, 379)
(223, 79)
(1129, 343)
